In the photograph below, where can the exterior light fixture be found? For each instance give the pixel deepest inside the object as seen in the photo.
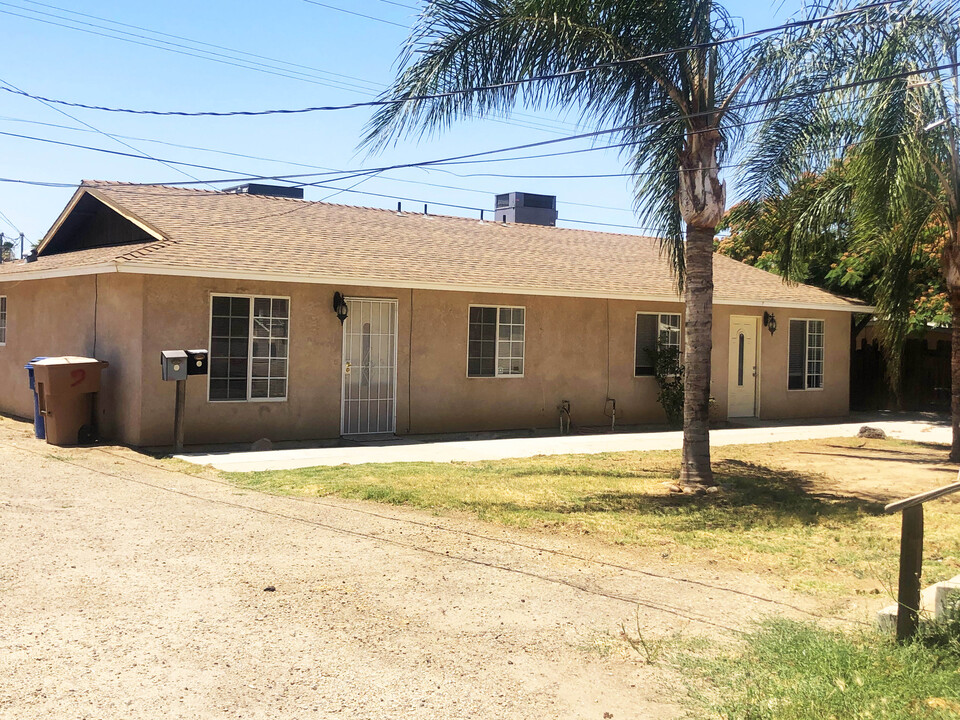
(769, 322)
(340, 307)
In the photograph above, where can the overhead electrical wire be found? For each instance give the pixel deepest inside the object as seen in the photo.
(466, 91)
(291, 72)
(351, 12)
(348, 174)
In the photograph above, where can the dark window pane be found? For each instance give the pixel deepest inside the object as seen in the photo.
(505, 315)
(218, 367)
(237, 389)
(740, 361)
(647, 332)
(238, 368)
(240, 307)
(474, 331)
(261, 348)
(473, 367)
(475, 314)
(220, 327)
(260, 369)
(518, 316)
(278, 388)
(239, 328)
(221, 305)
(489, 332)
(281, 308)
(261, 307)
(218, 389)
(279, 328)
(278, 368)
(219, 348)
(797, 354)
(238, 348)
(278, 348)
(489, 315)
(258, 388)
(487, 367)
(261, 327)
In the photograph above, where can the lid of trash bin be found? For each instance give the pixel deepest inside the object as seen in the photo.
(70, 360)
(33, 361)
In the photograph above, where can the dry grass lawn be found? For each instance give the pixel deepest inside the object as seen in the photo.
(810, 512)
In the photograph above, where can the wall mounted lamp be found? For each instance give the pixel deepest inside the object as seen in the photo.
(770, 321)
(340, 307)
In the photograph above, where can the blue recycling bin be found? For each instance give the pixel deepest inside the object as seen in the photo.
(39, 426)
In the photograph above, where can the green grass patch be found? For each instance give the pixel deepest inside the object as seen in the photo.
(798, 671)
(771, 516)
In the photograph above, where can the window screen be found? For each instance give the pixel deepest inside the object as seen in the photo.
(650, 328)
(496, 341)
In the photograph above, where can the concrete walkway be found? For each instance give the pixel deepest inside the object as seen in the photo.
(409, 450)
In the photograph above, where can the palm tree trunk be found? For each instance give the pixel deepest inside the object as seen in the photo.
(702, 201)
(698, 341)
(954, 291)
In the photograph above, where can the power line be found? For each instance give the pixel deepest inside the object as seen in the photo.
(107, 135)
(465, 91)
(10, 222)
(348, 174)
(357, 14)
(532, 122)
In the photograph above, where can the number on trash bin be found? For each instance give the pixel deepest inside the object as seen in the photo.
(78, 375)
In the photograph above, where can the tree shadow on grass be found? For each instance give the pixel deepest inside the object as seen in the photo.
(752, 495)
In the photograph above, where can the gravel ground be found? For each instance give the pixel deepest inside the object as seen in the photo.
(129, 591)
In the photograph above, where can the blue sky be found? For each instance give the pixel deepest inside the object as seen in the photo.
(331, 57)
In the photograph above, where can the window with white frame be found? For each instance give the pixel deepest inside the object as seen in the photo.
(806, 355)
(249, 347)
(496, 341)
(651, 328)
(3, 319)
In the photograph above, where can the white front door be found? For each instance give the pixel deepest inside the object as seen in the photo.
(369, 395)
(742, 385)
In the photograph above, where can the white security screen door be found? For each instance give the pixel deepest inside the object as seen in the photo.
(742, 383)
(369, 396)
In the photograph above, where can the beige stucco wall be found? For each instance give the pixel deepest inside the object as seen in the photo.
(775, 401)
(577, 349)
(63, 316)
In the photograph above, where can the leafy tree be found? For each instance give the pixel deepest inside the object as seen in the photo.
(6, 251)
(900, 146)
(677, 114)
(763, 233)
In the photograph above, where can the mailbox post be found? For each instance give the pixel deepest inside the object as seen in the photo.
(176, 365)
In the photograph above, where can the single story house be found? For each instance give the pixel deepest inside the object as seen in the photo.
(452, 324)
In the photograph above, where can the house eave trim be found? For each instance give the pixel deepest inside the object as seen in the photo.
(262, 276)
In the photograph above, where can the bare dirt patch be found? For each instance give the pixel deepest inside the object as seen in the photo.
(131, 591)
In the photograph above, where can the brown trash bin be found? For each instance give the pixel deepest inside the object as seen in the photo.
(66, 387)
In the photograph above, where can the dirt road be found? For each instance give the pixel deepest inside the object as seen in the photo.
(128, 591)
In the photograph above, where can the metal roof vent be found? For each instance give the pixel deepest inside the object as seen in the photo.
(269, 190)
(528, 208)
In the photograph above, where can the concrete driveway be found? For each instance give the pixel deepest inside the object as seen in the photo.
(920, 429)
(132, 591)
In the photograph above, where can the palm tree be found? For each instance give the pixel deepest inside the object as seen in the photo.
(677, 113)
(900, 145)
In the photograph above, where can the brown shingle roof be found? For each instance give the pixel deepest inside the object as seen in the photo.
(207, 232)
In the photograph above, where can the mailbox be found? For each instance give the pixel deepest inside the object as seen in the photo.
(173, 364)
(197, 362)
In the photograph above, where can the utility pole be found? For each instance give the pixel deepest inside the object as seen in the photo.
(21, 246)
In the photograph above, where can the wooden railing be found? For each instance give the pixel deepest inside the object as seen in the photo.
(911, 556)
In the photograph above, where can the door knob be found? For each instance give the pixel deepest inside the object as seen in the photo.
(346, 369)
